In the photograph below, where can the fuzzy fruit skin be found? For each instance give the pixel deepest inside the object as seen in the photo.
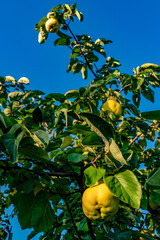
(99, 203)
(52, 25)
(113, 106)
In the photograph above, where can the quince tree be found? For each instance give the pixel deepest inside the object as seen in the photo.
(81, 165)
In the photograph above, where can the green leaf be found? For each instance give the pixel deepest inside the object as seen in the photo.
(62, 42)
(79, 129)
(34, 93)
(63, 35)
(15, 95)
(151, 115)
(37, 115)
(92, 175)
(34, 211)
(34, 152)
(136, 99)
(102, 41)
(154, 180)
(75, 157)
(41, 23)
(92, 140)
(91, 57)
(72, 94)
(82, 225)
(116, 152)
(38, 142)
(12, 143)
(98, 125)
(7, 121)
(140, 81)
(148, 94)
(76, 52)
(126, 187)
(66, 141)
(56, 96)
(14, 128)
(76, 68)
(43, 136)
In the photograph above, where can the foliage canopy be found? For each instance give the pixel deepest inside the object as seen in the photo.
(55, 146)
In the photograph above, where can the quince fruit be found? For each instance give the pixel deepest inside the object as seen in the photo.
(52, 25)
(113, 106)
(98, 203)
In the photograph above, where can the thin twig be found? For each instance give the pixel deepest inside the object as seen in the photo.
(84, 56)
(90, 229)
(125, 87)
(135, 139)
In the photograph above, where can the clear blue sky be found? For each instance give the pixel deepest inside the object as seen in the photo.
(133, 26)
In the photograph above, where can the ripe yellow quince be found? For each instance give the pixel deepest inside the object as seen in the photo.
(99, 203)
(52, 25)
(113, 106)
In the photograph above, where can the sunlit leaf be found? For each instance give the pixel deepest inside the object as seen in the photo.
(116, 152)
(126, 186)
(92, 175)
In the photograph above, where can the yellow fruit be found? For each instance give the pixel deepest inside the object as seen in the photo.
(113, 106)
(99, 203)
(154, 206)
(52, 25)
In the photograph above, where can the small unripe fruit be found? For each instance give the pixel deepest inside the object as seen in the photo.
(52, 25)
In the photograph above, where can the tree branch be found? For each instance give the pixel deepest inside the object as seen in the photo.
(125, 87)
(72, 219)
(135, 139)
(62, 174)
(90, 229)
(84, 56)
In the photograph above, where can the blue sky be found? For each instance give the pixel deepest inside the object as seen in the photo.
(133, 26)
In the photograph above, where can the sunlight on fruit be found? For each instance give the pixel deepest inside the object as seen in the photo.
(113, 106)
(99, 203)
(52, 25)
